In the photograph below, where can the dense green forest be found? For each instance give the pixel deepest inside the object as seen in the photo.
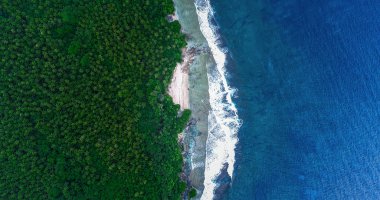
(84, 112)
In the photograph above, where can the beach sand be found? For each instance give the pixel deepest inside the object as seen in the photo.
(193, 75)
(179, 86)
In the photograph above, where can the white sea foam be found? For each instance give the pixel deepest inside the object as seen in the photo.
(223, 118)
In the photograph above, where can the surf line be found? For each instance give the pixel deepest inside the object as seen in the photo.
(223, 120)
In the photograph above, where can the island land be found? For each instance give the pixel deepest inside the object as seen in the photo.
(84, 110)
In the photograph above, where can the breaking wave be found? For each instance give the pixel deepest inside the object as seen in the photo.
(223, 121)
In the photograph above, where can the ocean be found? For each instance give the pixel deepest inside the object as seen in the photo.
(297, 98)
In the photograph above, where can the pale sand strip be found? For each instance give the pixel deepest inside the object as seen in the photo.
(179, 86)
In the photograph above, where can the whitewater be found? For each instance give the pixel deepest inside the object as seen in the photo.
(223, 120)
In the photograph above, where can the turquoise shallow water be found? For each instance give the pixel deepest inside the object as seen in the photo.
(307, 74)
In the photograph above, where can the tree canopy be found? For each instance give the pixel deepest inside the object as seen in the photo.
(84, 112)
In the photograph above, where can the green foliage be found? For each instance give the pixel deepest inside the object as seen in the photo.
(85, 60)
(64, 31)
(192, 193)
(84, 112)
(68, 15)
(74, 47)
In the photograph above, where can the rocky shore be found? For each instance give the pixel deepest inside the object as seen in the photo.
(193, 74)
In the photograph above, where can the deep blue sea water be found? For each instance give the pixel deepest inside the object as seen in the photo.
(308, 80)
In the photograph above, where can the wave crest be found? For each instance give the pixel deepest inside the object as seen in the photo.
(223, 121)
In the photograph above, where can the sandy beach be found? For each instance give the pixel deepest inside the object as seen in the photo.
(189, 88)
(179, 86)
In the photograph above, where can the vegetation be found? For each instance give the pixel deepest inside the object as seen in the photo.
(84, 112)
(192, 193)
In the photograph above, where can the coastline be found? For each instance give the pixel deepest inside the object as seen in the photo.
(189, 89)
(210, 138)
(179, 86)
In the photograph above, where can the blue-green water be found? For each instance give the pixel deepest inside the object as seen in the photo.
(307, 74)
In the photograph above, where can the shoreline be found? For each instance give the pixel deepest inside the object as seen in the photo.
(210, 139)
(179, 85)
(190, 89)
